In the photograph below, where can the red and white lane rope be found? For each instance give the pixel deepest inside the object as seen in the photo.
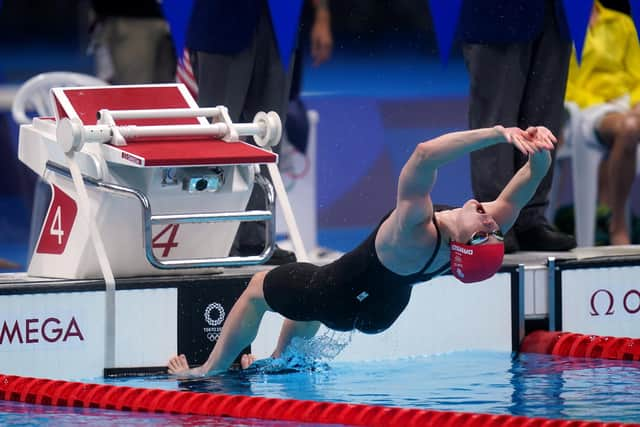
(105, 396)
(580, 345)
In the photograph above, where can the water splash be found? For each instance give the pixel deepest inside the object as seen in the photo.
(322, 347)
(306, 355)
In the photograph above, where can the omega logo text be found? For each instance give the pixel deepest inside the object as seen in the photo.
(603, 302)
(34, 330)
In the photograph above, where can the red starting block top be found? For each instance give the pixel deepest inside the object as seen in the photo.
(85, 102)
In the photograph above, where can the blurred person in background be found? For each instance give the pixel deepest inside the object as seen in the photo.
(605, 88)
(517, 54)
(131, 42)
(237, 64)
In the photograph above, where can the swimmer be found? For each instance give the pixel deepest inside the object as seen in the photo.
(367, 288)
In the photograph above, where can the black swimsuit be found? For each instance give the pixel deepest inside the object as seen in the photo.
(354, 292)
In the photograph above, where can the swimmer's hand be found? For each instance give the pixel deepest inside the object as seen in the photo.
(530, 141)
(179, 366)
(542, 137)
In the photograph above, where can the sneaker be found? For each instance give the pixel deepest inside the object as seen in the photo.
(544, 237)
(281, 256)
(511, 242)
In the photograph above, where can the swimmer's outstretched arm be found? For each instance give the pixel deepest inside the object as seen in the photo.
(239, 330)
(419, 173)
(517, 193)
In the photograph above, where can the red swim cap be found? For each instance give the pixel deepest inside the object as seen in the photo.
(473, 263)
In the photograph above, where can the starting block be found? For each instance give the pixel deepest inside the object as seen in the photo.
(142, 181)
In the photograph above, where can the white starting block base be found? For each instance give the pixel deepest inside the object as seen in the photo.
(165, 189)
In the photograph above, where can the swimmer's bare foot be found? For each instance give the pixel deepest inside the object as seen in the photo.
(179, 366)
(246, 360)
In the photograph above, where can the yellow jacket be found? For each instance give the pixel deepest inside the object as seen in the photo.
(610, 66)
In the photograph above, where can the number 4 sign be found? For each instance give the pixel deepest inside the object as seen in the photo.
(58, 223)
(170, 242)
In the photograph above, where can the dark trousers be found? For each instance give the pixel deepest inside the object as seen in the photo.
(246, 82)
(516, 84)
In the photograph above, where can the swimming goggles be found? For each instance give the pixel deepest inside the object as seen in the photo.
(480, 237)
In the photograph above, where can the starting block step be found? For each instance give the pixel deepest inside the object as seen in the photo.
(85, 104)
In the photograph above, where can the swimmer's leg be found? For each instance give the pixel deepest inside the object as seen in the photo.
(239, 330)
(291, 329)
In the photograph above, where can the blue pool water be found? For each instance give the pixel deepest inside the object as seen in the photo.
(470, 381)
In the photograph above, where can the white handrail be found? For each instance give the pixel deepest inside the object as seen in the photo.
(163, 113)
(72, 134)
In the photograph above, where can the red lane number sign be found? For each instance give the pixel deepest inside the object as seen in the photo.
(58, 223)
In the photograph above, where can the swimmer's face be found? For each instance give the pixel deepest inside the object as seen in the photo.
(472, 219)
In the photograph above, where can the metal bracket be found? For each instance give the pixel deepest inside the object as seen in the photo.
(148, 220)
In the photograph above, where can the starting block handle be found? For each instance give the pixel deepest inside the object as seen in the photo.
(72, 134)
(167, 113)
(132, 132)
(148, 220)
